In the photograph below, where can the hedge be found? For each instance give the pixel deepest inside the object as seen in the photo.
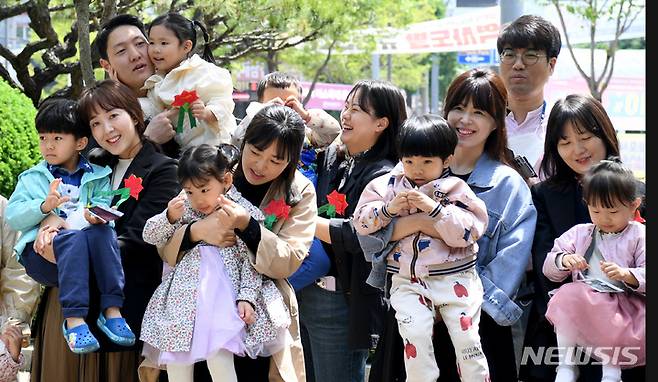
(19, 141)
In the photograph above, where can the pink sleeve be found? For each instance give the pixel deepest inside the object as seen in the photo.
(640, 260)
(370, 215)
(462, 222)
(566, 244)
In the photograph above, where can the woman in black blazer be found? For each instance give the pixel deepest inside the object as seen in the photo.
(116, 120)
(339, 314)
(579, 134)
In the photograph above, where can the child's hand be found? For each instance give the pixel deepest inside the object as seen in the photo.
(293, 103)
(246, 312)
(276, 101)
(615, 272)
(175, 208)
(201, 112)
(93, 219)
(12, 337)
(54, 199)
(398, 203)
(574, 262)
(421, 201)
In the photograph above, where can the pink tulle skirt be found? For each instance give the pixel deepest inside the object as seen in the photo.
(217, 324)
(611, 322)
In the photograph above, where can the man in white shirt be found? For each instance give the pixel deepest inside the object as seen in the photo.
(123, 48)
(528, 49)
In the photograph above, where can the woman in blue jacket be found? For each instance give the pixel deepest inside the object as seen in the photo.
(475, 106)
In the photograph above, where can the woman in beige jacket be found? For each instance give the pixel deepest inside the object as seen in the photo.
(18, 292)
(266, 175)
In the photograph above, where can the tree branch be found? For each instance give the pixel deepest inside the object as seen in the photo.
(319, 71)
(7, 12)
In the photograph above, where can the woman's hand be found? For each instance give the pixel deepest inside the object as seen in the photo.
(246, 312)
(615, 272)
(211, 230)
(231, 214)
(412, 224)
(43, 244)
(12, 337)
(574, 262)
(92, 219)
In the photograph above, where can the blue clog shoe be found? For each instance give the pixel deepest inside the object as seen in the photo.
(117, 330)
(79, 339)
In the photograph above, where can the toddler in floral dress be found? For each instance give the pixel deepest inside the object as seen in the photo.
(200, 310)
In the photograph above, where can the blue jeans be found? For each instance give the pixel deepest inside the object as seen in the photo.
(323, 316)
(77, 252)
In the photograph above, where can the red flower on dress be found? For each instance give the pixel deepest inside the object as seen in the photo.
(337, 204)
(275, 210)
(135, 185)
(338, 200)
(185, 97)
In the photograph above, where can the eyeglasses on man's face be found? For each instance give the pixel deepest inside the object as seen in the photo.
(529, 57)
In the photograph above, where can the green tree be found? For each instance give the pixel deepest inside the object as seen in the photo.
(623, 12)
(19, 142)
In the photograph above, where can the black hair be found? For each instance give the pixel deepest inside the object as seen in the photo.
(383, 100)
(587, 115)
(608, 182)
(279, 80)
(185, 29)
(108, 95)
(531, 31)
(111, 25)
(486, 90)
(59, 115)
(283, 125)
(200, 163)
(427, 135)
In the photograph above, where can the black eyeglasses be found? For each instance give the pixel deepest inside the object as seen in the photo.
(528, 58)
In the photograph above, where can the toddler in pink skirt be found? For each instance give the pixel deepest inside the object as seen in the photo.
(610, 326)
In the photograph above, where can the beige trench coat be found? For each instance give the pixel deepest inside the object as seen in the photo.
(280, 253)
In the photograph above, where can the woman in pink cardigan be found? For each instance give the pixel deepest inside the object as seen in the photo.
(610, 249)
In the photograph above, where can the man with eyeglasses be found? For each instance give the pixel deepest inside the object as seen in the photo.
(528, 49)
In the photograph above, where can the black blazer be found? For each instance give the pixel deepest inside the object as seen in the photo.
(142, 265)
(348, 263)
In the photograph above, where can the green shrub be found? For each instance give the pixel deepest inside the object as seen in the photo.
(19, 141)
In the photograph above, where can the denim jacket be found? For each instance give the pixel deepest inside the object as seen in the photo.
(504, 249)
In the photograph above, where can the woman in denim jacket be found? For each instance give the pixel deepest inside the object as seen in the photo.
(475, 106)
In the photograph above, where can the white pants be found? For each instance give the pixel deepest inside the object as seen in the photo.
(220, 366)
(458, 298)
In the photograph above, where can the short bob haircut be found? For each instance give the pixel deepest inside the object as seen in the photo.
(108, 95)
(280, 124)
(486, 90)
(586, 115)
(427, 135)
